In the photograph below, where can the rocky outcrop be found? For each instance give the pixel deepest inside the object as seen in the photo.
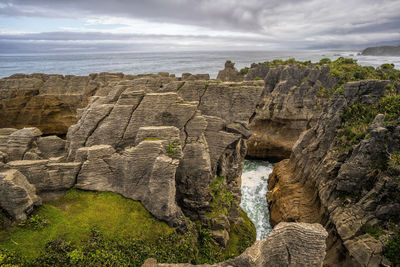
(290, 104)
(17, 196)
(27, 144)
(48, 176)
(382, 51)
(348, 189)
(289, 244)
(182, 132)
(230, 73)
(48, 102)
(158, 139)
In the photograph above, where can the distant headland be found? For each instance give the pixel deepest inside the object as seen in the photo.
(381, 51)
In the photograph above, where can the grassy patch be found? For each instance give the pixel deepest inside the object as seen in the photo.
(151, 139)
(372, 230)
(222, 198)
(357, 117)
(392, 250)
(355, 121)
(104, 229)
(172, 148)
(72, 218)
(244, 71)
(241, 236)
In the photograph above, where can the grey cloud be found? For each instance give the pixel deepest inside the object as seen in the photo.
(294, 23)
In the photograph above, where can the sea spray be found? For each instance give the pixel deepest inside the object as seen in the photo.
(254, 190)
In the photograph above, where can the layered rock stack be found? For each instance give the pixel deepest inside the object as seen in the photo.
(156, 138)
(48, 102)
(289, 244)
(347, 188)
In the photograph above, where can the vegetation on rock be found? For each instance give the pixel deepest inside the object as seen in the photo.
(357, 117)
(392, 250)
(101, 228)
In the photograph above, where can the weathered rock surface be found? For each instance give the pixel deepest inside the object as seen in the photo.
(19, 142)
(341, 188)
(187, 130)
(48, 176)
(230, 73)
(17, 196)
(289, 244)
(154, 138)
(27, 144)
(290, 104)
(144, 172)
(48, 102)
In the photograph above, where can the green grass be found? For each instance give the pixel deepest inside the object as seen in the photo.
(392, 250)
(244, 71)
(72, 218)
(151, 139)
(241, 236)
(172, 148)
(222, 198)
(86, 228)
(357, 117)
(372, 230)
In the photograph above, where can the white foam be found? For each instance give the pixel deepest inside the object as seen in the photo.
(254, 190)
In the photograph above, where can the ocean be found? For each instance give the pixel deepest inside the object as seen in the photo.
(173, 62)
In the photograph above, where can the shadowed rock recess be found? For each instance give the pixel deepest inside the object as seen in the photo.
(172, 142)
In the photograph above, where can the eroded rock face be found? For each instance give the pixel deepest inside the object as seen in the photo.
(48, 176)
(338, 186)
(160, 140)
(289, 244)
(48, 102)
(230, 73)
(154, 138)
(17, 196)
(290, 104)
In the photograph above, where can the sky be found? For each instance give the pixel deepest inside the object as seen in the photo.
(30, 26)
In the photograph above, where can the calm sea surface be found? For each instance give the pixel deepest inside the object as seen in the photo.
(172, 62)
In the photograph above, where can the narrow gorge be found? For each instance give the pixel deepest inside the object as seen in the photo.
(177, 145)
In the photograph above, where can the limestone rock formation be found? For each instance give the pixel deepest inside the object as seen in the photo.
(289, 244)
(290, 104)
(48, 176)
(154, 138)
(17, 196)
(48, 102)
(19, 142)
(346, 188)
(230, 73)
(189, 129)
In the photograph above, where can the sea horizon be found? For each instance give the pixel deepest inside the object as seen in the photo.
(176, 62)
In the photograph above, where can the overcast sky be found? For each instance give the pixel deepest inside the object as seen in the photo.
(164, 25)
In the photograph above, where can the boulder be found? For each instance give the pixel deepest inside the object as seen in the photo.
(230, 73)
(17, 196)
(51, 146)
(48, 176)
(19, 142)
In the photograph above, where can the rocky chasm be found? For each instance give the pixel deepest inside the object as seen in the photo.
(163, 140)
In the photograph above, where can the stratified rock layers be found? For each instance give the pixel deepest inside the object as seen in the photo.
(153, 138)
(341, 188)
(289, 244)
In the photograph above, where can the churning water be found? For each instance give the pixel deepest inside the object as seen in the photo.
(254, 190)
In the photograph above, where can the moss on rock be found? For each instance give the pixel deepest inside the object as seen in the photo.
(101, 228)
